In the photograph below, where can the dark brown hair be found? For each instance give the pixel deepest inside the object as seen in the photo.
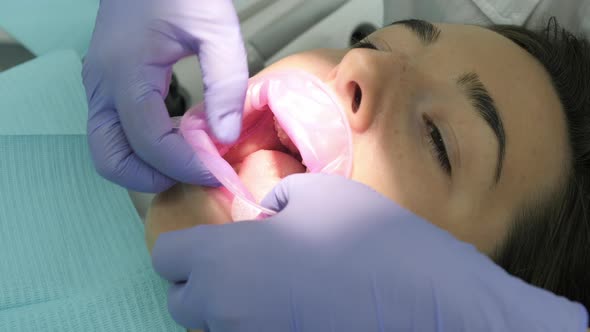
(549, 242)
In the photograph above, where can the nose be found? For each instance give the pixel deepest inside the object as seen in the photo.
(364, 80)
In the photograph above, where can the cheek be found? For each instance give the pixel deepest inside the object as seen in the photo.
(483, 222)
(391, 159)
(414, 185)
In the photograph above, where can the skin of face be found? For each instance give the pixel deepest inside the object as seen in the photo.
(404, 82)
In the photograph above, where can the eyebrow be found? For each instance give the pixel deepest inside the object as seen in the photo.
(485, 107)
(427, 32)
(474, 90)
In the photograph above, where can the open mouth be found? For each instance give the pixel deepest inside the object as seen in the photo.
(261, 132)
(292, 124)
(264, 154)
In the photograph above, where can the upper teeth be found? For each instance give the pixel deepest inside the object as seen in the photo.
(284, 138)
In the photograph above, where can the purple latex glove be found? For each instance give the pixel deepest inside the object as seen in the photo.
(341, 257)
(127, 72)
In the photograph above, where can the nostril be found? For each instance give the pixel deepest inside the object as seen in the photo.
(358, 96)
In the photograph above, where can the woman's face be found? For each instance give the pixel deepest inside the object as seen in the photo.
(453, 122)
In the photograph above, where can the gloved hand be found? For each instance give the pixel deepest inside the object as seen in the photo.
(341, 257)
(127, 72)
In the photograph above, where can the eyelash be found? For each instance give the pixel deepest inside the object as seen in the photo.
(438, 145)
(365, 43)
(434, 137)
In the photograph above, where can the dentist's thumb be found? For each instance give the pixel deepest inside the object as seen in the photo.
(307, 193)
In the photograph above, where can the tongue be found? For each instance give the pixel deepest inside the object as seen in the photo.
(260, 172)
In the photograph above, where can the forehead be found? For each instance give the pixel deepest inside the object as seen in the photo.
(533, 118)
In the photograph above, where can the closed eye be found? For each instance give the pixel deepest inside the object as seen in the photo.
(437, 144)
(434, 137)
(365, 43)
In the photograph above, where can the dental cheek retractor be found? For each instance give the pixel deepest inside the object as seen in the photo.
(306, 110)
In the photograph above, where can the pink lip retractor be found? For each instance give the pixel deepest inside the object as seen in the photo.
(308, 112)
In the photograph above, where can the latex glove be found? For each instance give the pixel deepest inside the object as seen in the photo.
(127, 72)
(341, 257)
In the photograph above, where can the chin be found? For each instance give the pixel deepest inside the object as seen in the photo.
(184, 206)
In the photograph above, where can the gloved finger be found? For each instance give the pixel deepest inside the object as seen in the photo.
(149, 130)
(173, 255)
(288, 188)
(224, 66)
(170, 257)
(114, 159)
(185, 305)
(278, 198)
